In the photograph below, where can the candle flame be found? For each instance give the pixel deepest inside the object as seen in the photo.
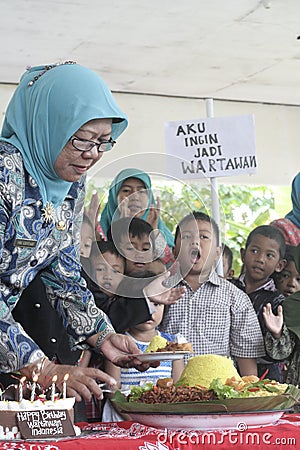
(35, 378)
(66, 377)
(22, 380)
(54, 379)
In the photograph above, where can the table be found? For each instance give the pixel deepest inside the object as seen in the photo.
(284, 435)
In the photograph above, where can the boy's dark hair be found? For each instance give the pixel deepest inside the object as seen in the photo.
(289, 256)
(198, 215)
(290, 253)
(127, 226)
(227, 252)
(104, 247)
(270, 232)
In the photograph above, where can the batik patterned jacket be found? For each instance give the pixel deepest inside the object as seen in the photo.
(28, 245)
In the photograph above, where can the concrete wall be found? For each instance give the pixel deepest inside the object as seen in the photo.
(143, 144)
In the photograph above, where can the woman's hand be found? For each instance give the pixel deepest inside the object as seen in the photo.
(119, 349)
(273, 323)
(158, 293)
(82, 382)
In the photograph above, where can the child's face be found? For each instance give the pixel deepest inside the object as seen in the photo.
(261, 258)
(109, 269)
(196, 248)
(155, 320)
(288, 280)
(138, 252)
(87, 237)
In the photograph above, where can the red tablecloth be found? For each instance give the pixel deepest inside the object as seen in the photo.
(285, 435)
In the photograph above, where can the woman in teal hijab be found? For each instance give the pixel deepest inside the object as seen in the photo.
(58, 123)
(111, 211)
(49, 106)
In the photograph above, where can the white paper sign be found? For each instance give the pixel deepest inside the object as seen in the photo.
(211, 147)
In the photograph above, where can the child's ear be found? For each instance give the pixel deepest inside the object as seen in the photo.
(174, 251)
(230, 273)
(242, 253)
(281, 265)
(218, 252)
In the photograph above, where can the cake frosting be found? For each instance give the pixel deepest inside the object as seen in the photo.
(37, 419)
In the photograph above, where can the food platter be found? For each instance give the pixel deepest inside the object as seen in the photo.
(225, 413)
(161, 356)
(214, 421)
(229, 405)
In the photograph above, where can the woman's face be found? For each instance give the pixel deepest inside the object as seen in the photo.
(133, 197)
(71, 163)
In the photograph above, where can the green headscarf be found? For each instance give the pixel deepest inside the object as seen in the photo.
(111, 212)
(47, 108)
(291, 305)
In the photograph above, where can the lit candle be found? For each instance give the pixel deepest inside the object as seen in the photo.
(66, 377)
(22, 380)
(34, 379)
(54, 379)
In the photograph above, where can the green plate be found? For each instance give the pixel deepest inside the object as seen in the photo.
(276, 402)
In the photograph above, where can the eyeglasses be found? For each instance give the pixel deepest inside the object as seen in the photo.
(85, 146)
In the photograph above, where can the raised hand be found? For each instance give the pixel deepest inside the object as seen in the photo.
(273, 323)
(157, 292)
(154, 213)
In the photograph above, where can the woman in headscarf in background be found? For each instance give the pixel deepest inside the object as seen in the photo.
(290, 224)
(58, 123)
(130, 195)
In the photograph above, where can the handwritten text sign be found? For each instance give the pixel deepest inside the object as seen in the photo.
(44, 424)
(211, 147)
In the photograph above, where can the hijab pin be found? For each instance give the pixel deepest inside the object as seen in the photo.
(36, 77)
(48, 212)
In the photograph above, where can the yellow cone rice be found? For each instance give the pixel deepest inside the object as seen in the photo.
(201, 370)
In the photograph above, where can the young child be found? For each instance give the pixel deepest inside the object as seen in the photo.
(288, 280)
(134, 238)
(87, 237)
(107, 270)
(263, 255)
(227, 259)
(142, 335)
(283, 336)
(214, 315)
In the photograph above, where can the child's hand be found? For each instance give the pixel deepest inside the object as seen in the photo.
(93, 209)
(123, 208)
(273, 323)
(153, 215)
(158, 293)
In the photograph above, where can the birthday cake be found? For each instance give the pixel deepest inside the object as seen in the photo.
(39, 419)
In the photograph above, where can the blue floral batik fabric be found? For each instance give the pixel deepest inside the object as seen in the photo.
(28, 245)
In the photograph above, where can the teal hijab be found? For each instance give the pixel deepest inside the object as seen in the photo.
(111, 212)
(47, 108)
(294, 214)
(291, 305)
